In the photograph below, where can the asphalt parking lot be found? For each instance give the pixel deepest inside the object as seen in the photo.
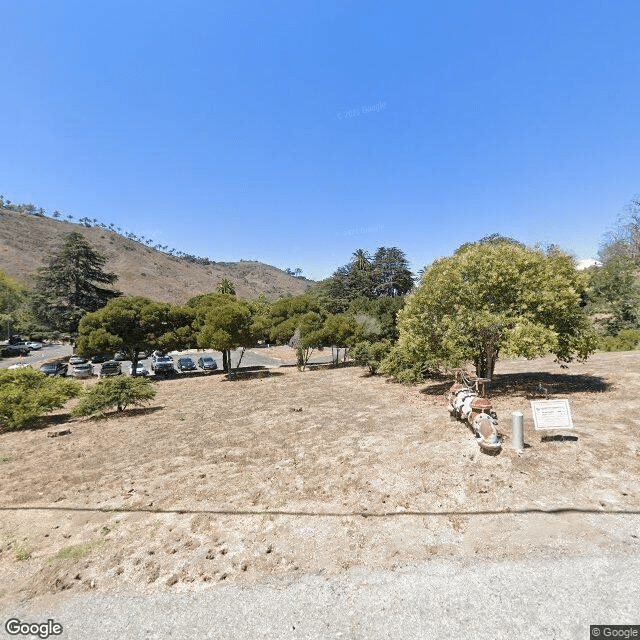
(251, 358)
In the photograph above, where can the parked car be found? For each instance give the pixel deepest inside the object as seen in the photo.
(119, 357)
(100, 358)
(162, 364)
(111, 368)
(76, 359)
(19, 365)
(55, 369)
(34, 345)
(186, 364)
(207, 363)
(141, 370)
(84, 370)
(13, 350)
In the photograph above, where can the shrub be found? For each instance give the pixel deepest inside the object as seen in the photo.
(117, 392)
(370, 354)
(625, 340)
(26, 395)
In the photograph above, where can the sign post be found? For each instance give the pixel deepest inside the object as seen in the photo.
(549, 415)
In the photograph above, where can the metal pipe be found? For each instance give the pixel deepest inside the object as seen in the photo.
(517, 431)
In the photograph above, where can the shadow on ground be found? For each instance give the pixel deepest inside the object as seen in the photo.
(537, 384)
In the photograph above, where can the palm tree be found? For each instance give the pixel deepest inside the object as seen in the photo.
(360, 259)
(226, 286)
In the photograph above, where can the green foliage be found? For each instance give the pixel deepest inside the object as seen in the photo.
(379, 317)
(76, 551)
(626, 340)
(223, 323)
(615, 289)
(496, 298)
(290, 314)
(12, 293)
(117, 392)
(12, 300)
(132, 324)
(226, 286)
(385, 274)
(624, 239)
(341, 331)
(403, 366)
(68, 287)
(26, 395)
(371, 354)
(260, 317)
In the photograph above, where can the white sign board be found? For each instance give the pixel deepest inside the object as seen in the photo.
(551, 414)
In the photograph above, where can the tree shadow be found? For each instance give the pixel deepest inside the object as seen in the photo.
(253, 375)
(536, 384)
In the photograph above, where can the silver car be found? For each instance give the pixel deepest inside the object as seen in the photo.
(84, 370)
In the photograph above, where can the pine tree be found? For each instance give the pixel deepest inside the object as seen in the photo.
(68, 287)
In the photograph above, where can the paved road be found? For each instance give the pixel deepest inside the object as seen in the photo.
(535, 598)
(35, 358)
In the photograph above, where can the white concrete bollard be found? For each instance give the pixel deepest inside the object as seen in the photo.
(517, 431)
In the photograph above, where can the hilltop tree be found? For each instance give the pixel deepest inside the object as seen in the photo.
(69, 286)
(132, 324)
(491, 299)
(226, 286)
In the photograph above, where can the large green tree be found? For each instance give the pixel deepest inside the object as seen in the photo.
(132, 324)
(386, 274)
(69, 286)
(614, 289)
(12, 297)
(224, 323)
(391, 273)
(491, 299)
(624, 238)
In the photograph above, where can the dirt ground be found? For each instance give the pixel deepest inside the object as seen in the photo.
(315, 472)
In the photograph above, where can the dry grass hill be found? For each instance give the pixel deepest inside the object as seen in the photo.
(26, 240)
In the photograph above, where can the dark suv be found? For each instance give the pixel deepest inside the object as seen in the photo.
(55, 369)
(111, 368)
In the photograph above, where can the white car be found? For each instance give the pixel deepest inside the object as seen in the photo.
(19, 365)
(34, 345)
(141, 370)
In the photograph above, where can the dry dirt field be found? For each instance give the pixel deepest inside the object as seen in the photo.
(314, 472)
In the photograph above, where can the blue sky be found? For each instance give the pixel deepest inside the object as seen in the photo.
(296, 132)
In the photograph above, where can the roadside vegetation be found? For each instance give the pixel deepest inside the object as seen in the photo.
(491, 298)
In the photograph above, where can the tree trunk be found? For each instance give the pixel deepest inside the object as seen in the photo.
(134, 364)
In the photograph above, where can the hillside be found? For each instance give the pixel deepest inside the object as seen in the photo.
(26, 240)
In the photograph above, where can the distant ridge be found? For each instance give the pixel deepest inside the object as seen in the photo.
(26, 240)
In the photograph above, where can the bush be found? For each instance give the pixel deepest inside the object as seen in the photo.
(401, 366)
(117, 392)
(370, 354)
(625, 340)
(26, 395)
